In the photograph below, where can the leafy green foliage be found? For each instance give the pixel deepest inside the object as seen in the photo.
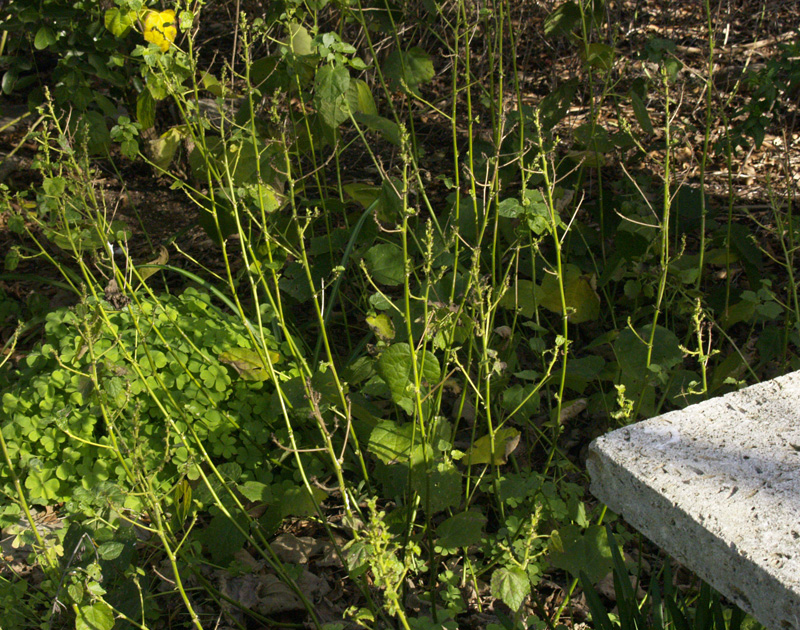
(428, 336)
(95, 382)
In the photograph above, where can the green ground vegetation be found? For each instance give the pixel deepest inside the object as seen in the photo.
(414, 284)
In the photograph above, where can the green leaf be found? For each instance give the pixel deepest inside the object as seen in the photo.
(248, 363)
(119, 22)
(554, 107)
(641, 113)
(385, 264)
(146, 110)
(110, 550)
(391, 442)
(461, 530)
(406, 71)
(362, 194)
(12, 258)
(299, 41)
(359, 98)
(295, 500)
(583, 303)
(631, 350)
(599, 56)
(10, 80)
(510, 208)
(439, 487)
(223, 538)
(97, 616)
(522, 297)
(511, 585)
(250, 163)
(45, 37)
(563, 20)
(148, 269)
(331, 85)
(575, 551)
(182, 501)
(522, 398)
(396, 369)
(256, 491)
(506, 440)
(382, 326)
(388, 129)
(212, 84)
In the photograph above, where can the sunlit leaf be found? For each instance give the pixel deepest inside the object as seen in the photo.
(511, 585)
(599, 56)
(521, 296)
(248, 363)
(506, 439)
(212, 84)
(45, 37)
(96, 616)
(391, 442)
(388, 129)
(382, 326)
(385, 264)
(396, 369)
(146, 109)
(160, 29)
(146, 270)
(256, 491)
(359, 98)
(182, 500)
(363, 194)
(119, 22)
(582, 301)
(299, 40)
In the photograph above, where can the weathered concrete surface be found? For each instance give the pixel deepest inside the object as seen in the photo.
(717, 486)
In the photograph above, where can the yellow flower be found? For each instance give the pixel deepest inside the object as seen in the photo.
(159, 28)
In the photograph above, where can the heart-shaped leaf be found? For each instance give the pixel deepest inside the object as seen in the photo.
(385, 264)
(391, 442)
(575, 551)
(331, 85)
(511, 585)
(396, 369)
(439, 487)
(631, 350)
(461, 530)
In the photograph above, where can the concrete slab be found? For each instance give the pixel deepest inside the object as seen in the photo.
(717, 486)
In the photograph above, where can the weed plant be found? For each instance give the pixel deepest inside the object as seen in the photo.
(401, 362)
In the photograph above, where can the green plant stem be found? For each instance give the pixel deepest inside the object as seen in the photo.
(555, 221)
(706, 142)
(664, 254)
